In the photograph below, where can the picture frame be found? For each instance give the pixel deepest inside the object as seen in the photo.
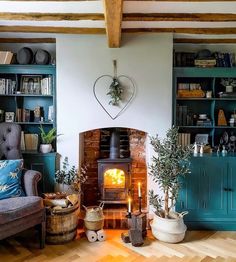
(31, 84)
(9, 117)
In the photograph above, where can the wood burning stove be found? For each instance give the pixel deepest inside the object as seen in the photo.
(114, 179)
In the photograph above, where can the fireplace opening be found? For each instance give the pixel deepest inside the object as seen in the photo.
(114, 173)
(117, 163)
(114, 178)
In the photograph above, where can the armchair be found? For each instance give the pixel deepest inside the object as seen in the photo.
(20, 213)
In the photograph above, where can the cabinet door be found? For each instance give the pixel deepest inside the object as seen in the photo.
(203, 192)
(45, 164)
(213, 183)
(189, 192)
(232, 188)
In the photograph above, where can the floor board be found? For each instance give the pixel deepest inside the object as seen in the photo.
(198, 246)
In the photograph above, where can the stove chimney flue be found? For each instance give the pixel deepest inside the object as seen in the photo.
(115, 143)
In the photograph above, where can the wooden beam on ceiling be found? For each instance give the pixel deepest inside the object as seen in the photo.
(200, 17)
(207, 31)
(50, 16)
(178, 0)
(52, 29)
(28, 40)
(205, 40)
(113, 18)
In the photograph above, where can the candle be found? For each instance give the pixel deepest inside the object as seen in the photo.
(129, 205)
(139, 189)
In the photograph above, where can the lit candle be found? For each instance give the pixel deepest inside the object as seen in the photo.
(139, 189)
(129, 205)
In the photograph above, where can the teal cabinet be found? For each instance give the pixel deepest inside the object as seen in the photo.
(209, 193)
(44, 163)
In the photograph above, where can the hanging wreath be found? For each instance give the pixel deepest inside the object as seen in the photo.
(115, 89)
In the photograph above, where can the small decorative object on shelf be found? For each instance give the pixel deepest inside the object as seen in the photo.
(47, 139)
(221, 118)
(195, 151)
(201, 149)
(224, 151)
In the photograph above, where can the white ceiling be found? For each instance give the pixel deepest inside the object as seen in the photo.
(129, 7)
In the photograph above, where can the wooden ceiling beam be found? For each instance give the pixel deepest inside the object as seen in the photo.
(28, 40)
(52, 29)
(50, 16)
(113, 17)
(205, 40)
(207, 31)
(200, 17)
(181, 0)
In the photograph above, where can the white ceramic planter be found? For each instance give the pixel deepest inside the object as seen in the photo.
(169, 230)
(45, 148)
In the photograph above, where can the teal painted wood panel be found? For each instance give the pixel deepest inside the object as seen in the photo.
(232, 188)
(46, 164)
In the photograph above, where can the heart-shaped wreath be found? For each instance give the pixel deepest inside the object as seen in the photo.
(120, 92)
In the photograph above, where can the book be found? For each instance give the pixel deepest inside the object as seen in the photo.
(22, 141)
(31, 142)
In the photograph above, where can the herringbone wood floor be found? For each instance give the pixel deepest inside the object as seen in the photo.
(198, 246)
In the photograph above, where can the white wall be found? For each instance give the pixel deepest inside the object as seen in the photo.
(147, 59)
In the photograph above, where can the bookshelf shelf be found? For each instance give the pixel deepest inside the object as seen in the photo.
(32, 106)
(187, 110)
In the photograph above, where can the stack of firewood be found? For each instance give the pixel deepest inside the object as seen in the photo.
(60, 200)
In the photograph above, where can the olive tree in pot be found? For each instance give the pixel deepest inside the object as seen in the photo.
(47, 139)
(170, 162)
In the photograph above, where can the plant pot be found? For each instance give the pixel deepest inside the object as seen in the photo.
(45, 148)
(170, 230)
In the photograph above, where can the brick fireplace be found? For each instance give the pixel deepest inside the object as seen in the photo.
(132, 162)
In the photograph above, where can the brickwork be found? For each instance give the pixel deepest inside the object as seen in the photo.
(91, 154)
(137, 141)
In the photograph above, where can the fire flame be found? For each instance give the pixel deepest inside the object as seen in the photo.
(114, 178)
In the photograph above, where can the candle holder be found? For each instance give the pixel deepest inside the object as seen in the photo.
(129, 215)
(140, 204)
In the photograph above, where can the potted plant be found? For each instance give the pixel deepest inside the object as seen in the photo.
(171, 162)
(69, 178)
(47, 139)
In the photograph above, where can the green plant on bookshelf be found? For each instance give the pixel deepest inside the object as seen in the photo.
(46, 139)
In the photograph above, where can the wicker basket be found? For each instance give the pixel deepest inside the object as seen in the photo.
(94, 225)
(94, 218)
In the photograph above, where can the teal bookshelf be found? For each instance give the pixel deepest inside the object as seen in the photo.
(11, 102)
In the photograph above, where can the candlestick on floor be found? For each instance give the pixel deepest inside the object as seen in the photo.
(140, 205)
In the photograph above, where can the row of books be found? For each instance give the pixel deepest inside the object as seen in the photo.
(218, 59)
(5, 57)
(27, 115)
(189, 86)
(7, 86)
(29, 141)
(46, 86)
(184, 139)
(224, 59)
(181, 115)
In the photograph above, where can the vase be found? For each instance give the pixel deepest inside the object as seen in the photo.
(45, 148)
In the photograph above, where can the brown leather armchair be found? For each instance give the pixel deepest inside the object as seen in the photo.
(20, 213)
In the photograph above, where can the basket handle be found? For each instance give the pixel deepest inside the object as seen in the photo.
(84, 207)
(183, 213)
(101, 205)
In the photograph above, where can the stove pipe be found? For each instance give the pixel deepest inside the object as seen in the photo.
(115, 143)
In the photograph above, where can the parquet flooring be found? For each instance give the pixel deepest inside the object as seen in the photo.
(198, 246)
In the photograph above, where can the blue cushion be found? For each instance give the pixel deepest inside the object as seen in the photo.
(10, 178)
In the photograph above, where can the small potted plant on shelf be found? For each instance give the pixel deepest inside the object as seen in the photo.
(171, 162)
(46, 139)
